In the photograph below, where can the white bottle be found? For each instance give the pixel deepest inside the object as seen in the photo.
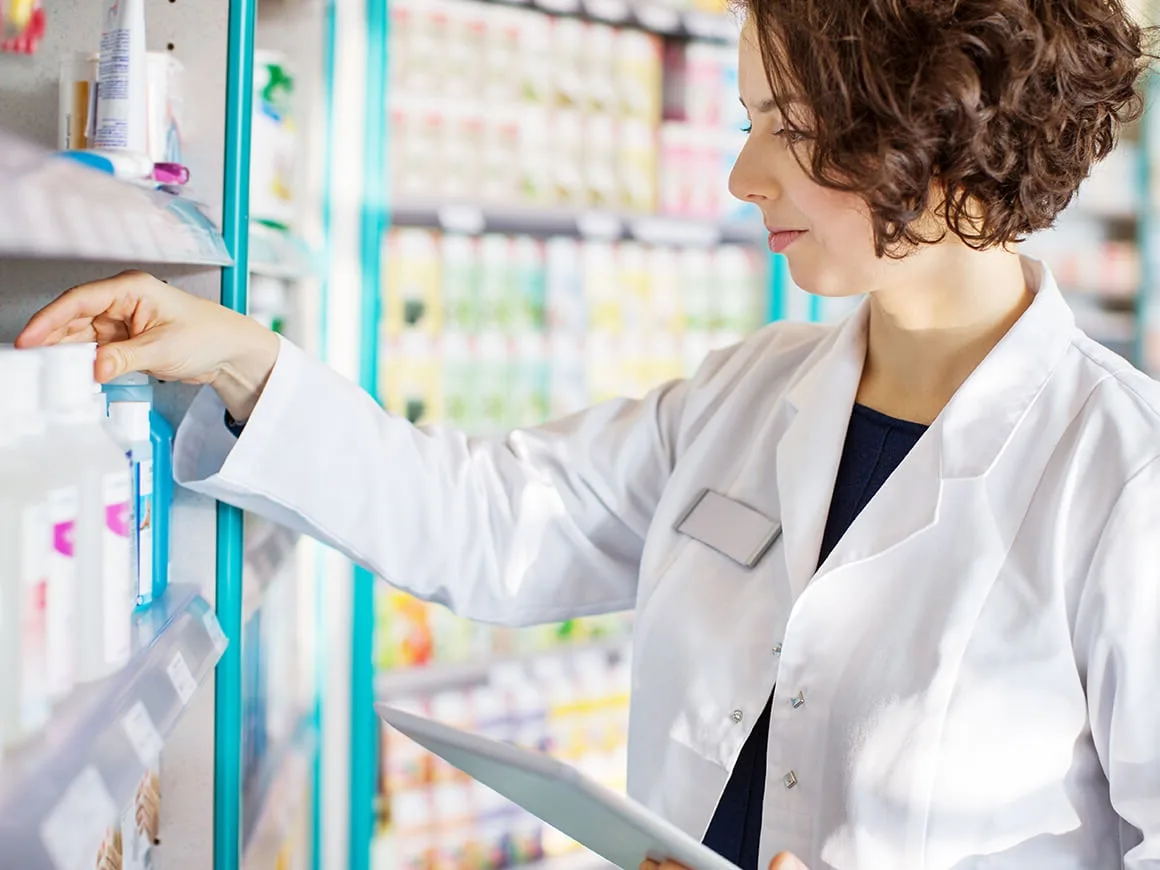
(106, 594)
(130, 420)
(24, 542)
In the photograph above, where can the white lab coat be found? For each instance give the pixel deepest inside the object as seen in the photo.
(979, 656)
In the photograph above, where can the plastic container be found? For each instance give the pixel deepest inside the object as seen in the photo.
(136, 387)
(24, 543)
(122, 96)
(106, 589)
(130, 420)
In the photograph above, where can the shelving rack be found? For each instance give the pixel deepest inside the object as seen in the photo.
(383, 212)
(64, 224)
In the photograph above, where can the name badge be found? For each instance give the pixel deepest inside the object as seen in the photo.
(731, 528)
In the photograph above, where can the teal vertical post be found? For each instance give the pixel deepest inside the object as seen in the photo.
(235, 228)
(1147, 226)
(320, 670)
(778, 282)
(363, 722)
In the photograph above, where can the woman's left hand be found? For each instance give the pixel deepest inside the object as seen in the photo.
(784, 861)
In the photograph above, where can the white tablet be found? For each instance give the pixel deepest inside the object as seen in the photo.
(614, 827)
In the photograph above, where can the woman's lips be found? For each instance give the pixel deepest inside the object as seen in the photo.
(779, 240)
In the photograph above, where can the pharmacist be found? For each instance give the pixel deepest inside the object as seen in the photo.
(896, 581)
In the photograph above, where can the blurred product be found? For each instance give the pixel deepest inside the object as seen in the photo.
(274, 142)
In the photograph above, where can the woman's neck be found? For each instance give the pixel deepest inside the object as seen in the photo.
(930, 331)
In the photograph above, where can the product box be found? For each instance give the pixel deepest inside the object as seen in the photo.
(274, 142)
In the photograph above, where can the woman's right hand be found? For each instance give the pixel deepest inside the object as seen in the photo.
(142, 324)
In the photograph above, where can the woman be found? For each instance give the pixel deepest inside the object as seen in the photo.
(895, 581)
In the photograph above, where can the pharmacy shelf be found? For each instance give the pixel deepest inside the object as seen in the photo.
(59, 792)
(274, 800)
(57, 209)
(658, 17)
(279, 254)
(424, 680)
(474, 219)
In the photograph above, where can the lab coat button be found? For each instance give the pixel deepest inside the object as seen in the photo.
(737, 716)
(777, 649)
(789, 780)
(799, 700)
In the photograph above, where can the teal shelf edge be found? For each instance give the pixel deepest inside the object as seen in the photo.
(363, 722)
(60, 791)
(230, 527)
(778, 287)
(58, 209)
(272, 799)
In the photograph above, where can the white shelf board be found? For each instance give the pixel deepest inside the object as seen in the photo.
(57, 209)
(61, 790)
(426, 679)
(475, 218)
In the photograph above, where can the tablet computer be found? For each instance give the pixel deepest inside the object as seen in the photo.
(614, 827)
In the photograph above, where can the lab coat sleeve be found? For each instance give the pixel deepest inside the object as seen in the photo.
(544, 525)
(1117, 636)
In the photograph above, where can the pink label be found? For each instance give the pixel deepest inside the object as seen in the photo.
(62, 538)
(117, 519)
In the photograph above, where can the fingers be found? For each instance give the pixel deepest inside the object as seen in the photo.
(70, 316)
(786, 861)
(138, 354)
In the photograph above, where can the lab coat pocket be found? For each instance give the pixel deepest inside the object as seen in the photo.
(704, 646)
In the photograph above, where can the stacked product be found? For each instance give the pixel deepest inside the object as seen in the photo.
(575, 708)
(494, 332)
(79, 516)
(702, 133)
(491, 103)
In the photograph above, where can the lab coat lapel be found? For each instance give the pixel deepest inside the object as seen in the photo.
(970, 433)
(811, 448)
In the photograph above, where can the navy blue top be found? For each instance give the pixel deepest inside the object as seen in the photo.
(875, 445)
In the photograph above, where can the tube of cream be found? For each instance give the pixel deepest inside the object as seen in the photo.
(122, 99)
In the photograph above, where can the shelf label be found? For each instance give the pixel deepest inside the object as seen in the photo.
(663, 19)
(560, 7)
(182, 679)
(608, 10)
(73, 830)
(599, 226)
(466, 219)
(143, 734)
(214, 629)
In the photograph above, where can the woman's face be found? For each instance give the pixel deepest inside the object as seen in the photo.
(826, 235)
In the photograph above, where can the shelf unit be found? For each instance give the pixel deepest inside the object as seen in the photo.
(60, 791)
(383, 212)
(64, 224)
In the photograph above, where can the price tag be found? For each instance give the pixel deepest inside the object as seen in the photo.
(662, 19)
(143, 734)
(214, 630)
(599, 226)
(73, 830)
(608, 10)
(466, 219)
(560, 7)
(181, 678)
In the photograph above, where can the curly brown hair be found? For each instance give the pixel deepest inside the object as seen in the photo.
(1002, 106)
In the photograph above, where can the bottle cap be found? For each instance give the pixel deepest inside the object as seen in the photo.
(20, 374)
(68, 378)
(130, 419)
